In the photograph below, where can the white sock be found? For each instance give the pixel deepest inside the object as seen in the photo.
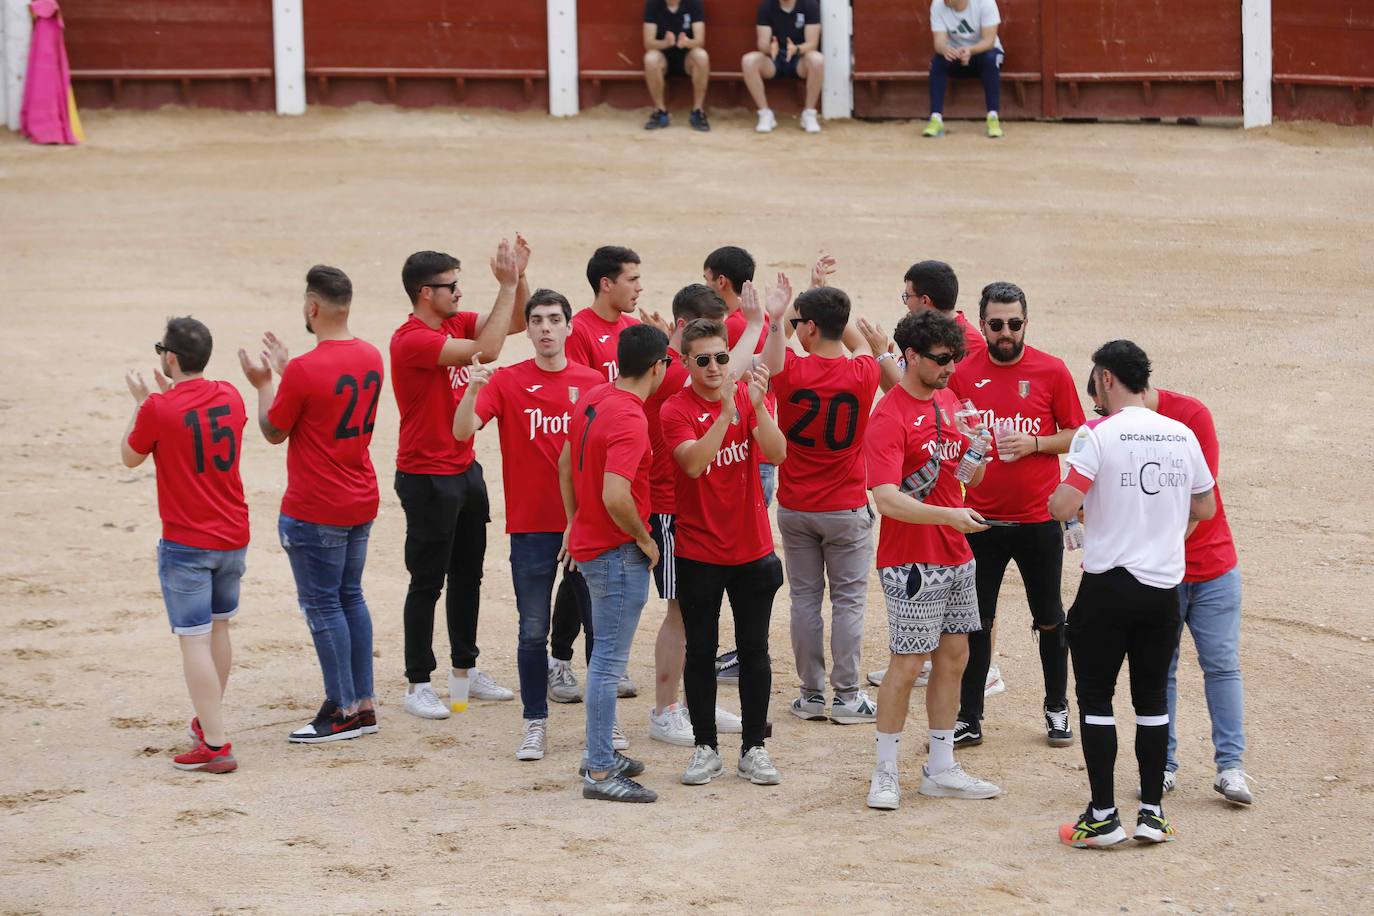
(936, 116)
(993, 113)
(941, 750)
(1103, 813)
(1156, 810)
(887, 747)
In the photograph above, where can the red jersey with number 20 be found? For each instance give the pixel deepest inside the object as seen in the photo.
(428, 393)
(328, 401)
(194, 432)
(594, 340)
(609, 434)
(901, 438)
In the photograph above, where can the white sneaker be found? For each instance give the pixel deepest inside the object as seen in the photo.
(757, 767)
(563, 686)
(424, 702)
(884, 792)
(994, 684)
(1170, 782)
(955, 783)
(809, 123)
(532, 747)
(1231, 783)
(876, 677)
(482, 687)
(672, 726)
(625, 687)
(857, 710)
(618, 739)
(727, 723)
(766, 121)
(704, 766)
(810, 707)
(923, 678)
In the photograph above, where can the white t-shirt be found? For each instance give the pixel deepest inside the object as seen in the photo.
(1144, 469)
(965, 28)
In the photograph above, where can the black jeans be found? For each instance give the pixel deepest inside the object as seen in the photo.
(446, 537)
(1038, 549)
(700, 589)
(571, 614)
(1116, 617)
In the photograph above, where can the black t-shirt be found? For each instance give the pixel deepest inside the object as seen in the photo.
(688, 13)
(789, 25)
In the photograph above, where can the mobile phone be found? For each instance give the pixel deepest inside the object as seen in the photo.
(997, 523)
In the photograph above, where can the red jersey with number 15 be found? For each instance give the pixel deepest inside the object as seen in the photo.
(594, 340)
(194, 432)
(609, 434)
(428, 393)
(328, 401)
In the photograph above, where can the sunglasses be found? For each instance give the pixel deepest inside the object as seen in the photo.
(666, 360)
(1100, 411)
(704, 359)
(995, 324)
(944, 359)
(797, 321)
(451, 287)
(159, 348)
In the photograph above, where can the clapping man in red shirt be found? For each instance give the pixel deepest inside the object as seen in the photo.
(327, 406)
(193, 428)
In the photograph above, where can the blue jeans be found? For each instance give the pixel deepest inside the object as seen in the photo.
(327, 562)
(768, 476)
(199, 586)
(533, 569)
(1211, 610)
(618, 582)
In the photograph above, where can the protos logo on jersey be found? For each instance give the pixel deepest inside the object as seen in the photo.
(458, 376)
(949, 449)
(550, 424)
(612, 370)
(1030, 426)
(730, 454)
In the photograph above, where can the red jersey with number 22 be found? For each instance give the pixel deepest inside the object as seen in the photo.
(194, 432)
(609, 434)
(428, 393)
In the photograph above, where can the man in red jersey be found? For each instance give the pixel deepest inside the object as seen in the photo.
(824, 400)
(438, 479)
(933, 286)
(193, 428)
(327, 405)
(927, 571)
(1209, 603)
(716, 430)
(1028, 398)
(532, 401)
(603, 473)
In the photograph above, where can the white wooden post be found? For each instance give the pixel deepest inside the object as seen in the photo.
(288, 55)
(837, 28)
(1257, 54)
(563, 58)
(14, 58)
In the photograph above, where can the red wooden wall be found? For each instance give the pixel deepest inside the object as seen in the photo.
(1324, 60)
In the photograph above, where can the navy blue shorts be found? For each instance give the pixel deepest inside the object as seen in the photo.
(787, 69)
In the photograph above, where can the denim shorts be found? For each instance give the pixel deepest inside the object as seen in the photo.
(199, 586)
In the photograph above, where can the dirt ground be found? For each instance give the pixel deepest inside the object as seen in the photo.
(1234, 258)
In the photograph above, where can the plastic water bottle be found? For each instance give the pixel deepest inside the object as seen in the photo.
(1073, 535)
(458, 694)
(973, 457)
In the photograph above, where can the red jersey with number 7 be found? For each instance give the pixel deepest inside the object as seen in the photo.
(194, 432)
(327, 402)
(609, 435)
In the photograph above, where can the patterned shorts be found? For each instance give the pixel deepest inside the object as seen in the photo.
(925, 600)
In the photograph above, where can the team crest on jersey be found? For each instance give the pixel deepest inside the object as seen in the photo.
(573, 394)
(801, 19)
(1023, 388)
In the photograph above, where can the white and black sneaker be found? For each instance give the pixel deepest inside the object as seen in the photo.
(623, 766)
(857, 710)
(809, 706)
(617, 787)
(563, 686)
(1232, 784)
(1057, 730)
(328, 725)
(968, 734)
(532, 745)
(727, 667)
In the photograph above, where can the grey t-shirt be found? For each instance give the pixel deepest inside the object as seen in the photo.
(965, 27)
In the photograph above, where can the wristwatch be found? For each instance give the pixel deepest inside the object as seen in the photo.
(887, 354)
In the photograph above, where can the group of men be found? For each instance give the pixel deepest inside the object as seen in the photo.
(662, 438)
(788, 46)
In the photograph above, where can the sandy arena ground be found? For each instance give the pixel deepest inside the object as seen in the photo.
(1233, 258)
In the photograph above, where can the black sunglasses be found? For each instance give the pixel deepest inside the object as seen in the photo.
(1100, 411)
(451, 287)
(160, 348)
(796, 321)
(704, 359)
(995, 324)
(666, 360)
(944, 359)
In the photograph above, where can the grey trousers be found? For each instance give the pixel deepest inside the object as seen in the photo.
(839, 544)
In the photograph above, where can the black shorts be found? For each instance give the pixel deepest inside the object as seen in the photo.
(677, 61)
(663, 529)
(786, 69)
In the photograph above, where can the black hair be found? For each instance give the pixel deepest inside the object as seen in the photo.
(828, 307)
(697, 300)
(935, 279)
(422, 267)
(190, 341)
(330, 284)
(608, 261)
(700, 329)
(639, 347)
(733, 263)
(999, 291)
(1126, 362)
(922, 330)
(548, 297)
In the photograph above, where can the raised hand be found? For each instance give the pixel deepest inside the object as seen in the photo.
(479, 374)
(779, 297)
(522, 253)
(258, 375)
(276, 352)
(728, 410)
(137, 386)
(163, 382)
(655, 320)
(504, 266)
(874, 334)
(749, 304)
(758, 385)
(822, 269)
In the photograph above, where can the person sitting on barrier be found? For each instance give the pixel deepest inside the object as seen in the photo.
(789, 43)
(966, 45)
(675, 45)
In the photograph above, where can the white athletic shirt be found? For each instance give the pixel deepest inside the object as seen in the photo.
(965, 27)
(1144, 469)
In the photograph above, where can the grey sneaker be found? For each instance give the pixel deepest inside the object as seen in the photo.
(563, 686)
(1170, 781)
(623, 766)
(809, 706)
(617, 787)
(618, 739)
(704, 766)
(1231, 783)
(876, 677)
(532, 746)
(955, 783)
(626, 687)
(482, 687)
(757, 767)
(857, 710)
(884, 792)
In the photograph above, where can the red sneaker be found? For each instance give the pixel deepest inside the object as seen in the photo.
(195, 731)
(202, 758)
(368, 720)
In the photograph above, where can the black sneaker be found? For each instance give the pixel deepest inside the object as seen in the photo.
(968, 734)
(329, 725)
(657, 120)
(727, 668)
(368, 719)
(699, 121)
(623, 766)
(617, 787)
(1089, 832)
(1057, 730)
(1153, 828)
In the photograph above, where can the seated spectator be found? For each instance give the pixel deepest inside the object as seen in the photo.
(789, 42)
(675, 45)
(966, 45)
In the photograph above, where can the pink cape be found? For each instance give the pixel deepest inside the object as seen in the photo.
(49, 111)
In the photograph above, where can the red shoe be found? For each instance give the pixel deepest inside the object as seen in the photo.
(368, 720)
(195, 731)
(202, 758)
